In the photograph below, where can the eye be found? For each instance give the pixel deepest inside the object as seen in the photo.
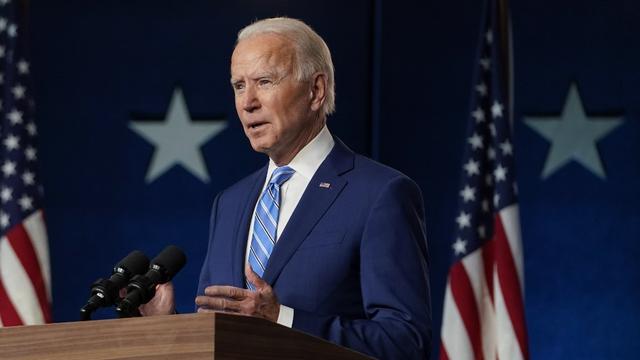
(238, 86)
(264, 82)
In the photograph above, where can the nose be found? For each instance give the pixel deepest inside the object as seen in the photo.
(250, 101)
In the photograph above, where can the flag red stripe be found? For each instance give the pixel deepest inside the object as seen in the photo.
(465, 299)
(488, 260)
(443, 352)
(8, 313)
(26, 253)
(510, 285)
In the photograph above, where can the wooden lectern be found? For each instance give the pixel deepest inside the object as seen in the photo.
(191, 336)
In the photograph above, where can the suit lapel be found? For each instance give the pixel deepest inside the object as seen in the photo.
(321, 192)
(242, 228)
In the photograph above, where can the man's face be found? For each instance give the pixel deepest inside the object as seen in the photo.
(274, 108)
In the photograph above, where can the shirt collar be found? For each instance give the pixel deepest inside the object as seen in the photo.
(308, 160)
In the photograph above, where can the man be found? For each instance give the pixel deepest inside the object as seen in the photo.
(321, 239)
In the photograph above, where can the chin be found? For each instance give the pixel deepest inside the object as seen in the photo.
(260, 146)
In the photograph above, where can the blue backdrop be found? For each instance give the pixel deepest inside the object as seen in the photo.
(404, 73)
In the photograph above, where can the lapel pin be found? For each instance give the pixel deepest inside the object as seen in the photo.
(325, 185)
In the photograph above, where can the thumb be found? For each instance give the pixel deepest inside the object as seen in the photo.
(253, 278)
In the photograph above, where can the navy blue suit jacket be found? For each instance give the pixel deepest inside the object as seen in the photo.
(351, 262)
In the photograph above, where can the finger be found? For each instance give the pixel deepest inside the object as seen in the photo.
(226, 291)
(205, 310)
(253, 278)
(218, 303)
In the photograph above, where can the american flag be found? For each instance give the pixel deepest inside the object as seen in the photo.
(483, 316)
(25, 284)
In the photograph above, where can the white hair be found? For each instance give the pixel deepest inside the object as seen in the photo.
(312, 54)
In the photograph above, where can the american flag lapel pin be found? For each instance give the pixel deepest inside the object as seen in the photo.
(325, 185)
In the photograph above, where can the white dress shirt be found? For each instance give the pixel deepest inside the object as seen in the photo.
(305, 164)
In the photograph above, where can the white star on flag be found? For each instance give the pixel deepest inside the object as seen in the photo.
(9, 168)
(460, 246)
(28, 178)
(12, 142)
(472, 167)
(506, 147)
(496, 109)
(26, 203)
(23, 67)
(4, 219)
(6, 194)
(18, 91)
(500, 173)
(463, 220)
(478, 114)
(476, 141)
(468, 193)
(482, 89)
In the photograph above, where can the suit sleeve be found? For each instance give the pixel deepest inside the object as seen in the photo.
(394, 281)
(204, 271)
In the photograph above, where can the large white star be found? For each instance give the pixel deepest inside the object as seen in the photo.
(177, 139)
(573, 136)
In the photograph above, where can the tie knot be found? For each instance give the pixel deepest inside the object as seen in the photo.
(281, 175)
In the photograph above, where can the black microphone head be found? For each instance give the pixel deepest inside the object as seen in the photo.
(135, 263)
(169, 262)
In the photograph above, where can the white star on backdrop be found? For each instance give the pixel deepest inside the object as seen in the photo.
(573, 136)
(177, 139)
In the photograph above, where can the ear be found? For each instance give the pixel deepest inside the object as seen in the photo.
(318, 91)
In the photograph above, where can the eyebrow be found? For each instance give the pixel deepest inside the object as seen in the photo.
(272, 74)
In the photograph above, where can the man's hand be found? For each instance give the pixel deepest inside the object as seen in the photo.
(163, 303)
(262, 302)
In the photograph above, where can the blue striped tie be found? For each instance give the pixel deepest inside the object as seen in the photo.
(265, 222)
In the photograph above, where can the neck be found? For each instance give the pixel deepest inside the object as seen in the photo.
(285, 157)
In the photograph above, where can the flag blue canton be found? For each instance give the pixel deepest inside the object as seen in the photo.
(488, 176)
(20, 192)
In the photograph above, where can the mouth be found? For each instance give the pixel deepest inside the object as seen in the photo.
(256, 125)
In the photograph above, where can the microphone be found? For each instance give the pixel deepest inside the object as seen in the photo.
(142, 288)
(105, 292)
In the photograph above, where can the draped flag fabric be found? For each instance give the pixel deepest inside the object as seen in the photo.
(483, 316)
(25, 285)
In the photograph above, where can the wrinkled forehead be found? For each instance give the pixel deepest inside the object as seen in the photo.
(266, 52)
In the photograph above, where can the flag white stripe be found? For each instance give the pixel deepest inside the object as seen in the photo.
(508, 347)
(18, 286)
(35, 228)
(474, 265)
(454, 334)
(510, 217)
